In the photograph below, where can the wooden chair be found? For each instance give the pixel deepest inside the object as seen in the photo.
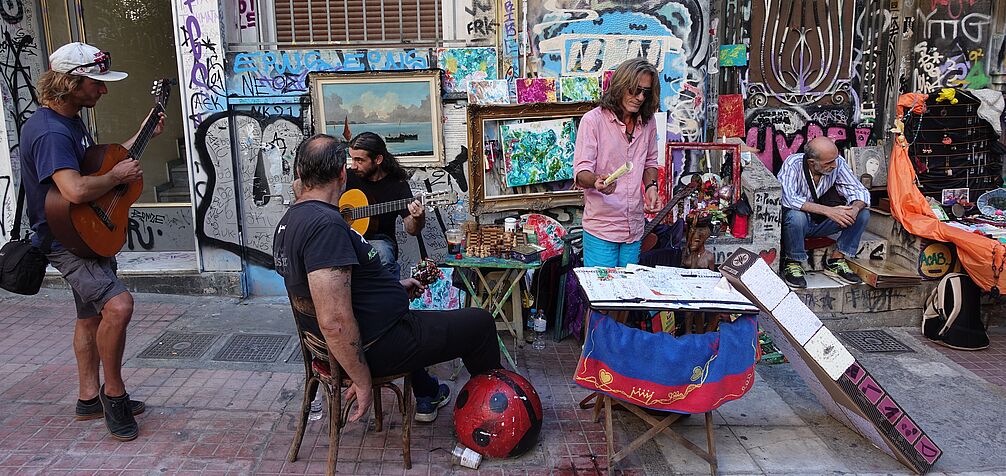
(322, 370)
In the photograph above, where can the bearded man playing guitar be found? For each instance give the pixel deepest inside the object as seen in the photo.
(53, 144)
(380, 177)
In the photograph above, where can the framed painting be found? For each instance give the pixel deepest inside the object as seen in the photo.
(403, 107)
(496, 133)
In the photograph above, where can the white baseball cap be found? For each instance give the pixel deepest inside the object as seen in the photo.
(82, 59)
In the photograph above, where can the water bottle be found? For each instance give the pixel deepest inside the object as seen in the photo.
(465, 457)
(539, 331)
(316, 408)
(529, 332)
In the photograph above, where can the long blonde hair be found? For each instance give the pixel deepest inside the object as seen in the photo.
(53, 87)
(625, 79)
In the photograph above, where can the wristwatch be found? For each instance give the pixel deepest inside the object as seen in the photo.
(651, 184)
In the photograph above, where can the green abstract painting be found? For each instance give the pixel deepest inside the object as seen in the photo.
(538, 152)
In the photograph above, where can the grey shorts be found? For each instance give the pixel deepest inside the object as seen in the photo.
(93, 281)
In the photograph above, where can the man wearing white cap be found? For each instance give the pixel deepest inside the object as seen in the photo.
(53, 142)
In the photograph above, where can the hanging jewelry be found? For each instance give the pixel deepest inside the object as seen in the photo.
(997, 271)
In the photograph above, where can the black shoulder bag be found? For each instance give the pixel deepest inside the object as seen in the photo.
(831, 198)
(22, 266)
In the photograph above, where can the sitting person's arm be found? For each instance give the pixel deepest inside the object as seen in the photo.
(330, 291)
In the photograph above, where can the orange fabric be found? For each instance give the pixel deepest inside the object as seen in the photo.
(910, 207)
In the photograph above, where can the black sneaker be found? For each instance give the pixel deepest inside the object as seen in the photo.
(426, 407)
(838, 268)
(90, 411)
(118, 419)
(793, 274)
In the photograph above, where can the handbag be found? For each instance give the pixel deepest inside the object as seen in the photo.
(22, 265)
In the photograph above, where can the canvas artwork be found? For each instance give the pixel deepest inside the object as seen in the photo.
(731, 116)
(463, 65)
(579, 88)
(402, 107)
(536, 90)
(538, 152)
(440, 296)
(491, 91)
(733, 55)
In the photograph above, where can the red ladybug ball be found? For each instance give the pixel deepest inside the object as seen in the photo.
(498, 414)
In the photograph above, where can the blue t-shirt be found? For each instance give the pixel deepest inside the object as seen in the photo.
(49, 142)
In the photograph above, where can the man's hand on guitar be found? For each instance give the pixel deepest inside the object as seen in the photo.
(126, 171)
(416, 209)
(159, 128)
(652, 204)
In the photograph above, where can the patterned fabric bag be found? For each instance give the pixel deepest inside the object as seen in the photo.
(694, 373)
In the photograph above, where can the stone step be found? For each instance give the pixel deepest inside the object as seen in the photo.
(846, 307)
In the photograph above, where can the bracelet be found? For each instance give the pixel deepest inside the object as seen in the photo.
(651, 184)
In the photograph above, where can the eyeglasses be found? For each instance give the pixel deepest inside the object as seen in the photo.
(104, 63)
(638, 90)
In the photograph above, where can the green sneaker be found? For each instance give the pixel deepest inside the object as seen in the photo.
(793, 274)
(839, 269)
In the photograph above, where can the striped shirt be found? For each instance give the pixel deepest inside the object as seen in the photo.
(796, 192)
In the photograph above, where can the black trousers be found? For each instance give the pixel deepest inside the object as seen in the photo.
(424, 338)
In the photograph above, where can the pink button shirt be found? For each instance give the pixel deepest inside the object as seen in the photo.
(602, 147)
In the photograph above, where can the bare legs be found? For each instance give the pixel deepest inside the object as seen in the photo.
(103, 339)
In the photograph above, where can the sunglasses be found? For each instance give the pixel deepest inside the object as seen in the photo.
(638, 90)
(104, 63)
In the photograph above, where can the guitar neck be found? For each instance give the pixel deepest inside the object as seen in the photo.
(659, 218)
(146, 132)
(381, 208)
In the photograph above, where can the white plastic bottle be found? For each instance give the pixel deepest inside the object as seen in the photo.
(539, 331)
(316, 407)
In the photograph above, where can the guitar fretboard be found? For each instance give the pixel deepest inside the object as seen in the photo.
(380, 208)
(146, 132)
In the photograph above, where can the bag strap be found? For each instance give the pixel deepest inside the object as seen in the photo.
(46, 244)
(810, 181)
(17, 212)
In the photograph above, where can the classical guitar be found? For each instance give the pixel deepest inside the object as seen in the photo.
(650, 238)
(98, 228)
(358, 212)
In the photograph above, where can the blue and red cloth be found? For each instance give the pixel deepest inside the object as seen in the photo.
(693, 373)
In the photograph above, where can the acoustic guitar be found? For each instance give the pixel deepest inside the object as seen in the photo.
(358, 212)
(650, 238)
(98, 228)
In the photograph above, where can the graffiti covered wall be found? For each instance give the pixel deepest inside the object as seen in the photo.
(22, 61)
(584, 38)
(812, 73)
(953, 38)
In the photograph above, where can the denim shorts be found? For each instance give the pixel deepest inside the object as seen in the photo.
(92, 280)
(609, 254)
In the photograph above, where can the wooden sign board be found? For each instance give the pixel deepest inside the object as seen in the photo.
(843, 386)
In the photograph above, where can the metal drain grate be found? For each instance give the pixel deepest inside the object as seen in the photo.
(179, 345)
(874, 341)
(252, 348)
(296, 356)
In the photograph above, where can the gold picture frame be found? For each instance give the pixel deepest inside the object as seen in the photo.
(486, 197)
(403, 107)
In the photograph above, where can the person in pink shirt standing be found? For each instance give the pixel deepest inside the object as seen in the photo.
(620, 130)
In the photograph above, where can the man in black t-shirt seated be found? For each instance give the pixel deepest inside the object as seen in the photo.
(363, 311)
(377, 173)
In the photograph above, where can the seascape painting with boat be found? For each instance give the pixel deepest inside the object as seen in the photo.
(403, 111)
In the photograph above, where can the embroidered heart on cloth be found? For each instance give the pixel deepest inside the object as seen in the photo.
(605, 376)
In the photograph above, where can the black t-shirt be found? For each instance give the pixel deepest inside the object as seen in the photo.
(384, 190)
(312, 235)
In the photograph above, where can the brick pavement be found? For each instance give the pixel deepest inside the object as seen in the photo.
(987, 363)
(217, 418)
(225, 421)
